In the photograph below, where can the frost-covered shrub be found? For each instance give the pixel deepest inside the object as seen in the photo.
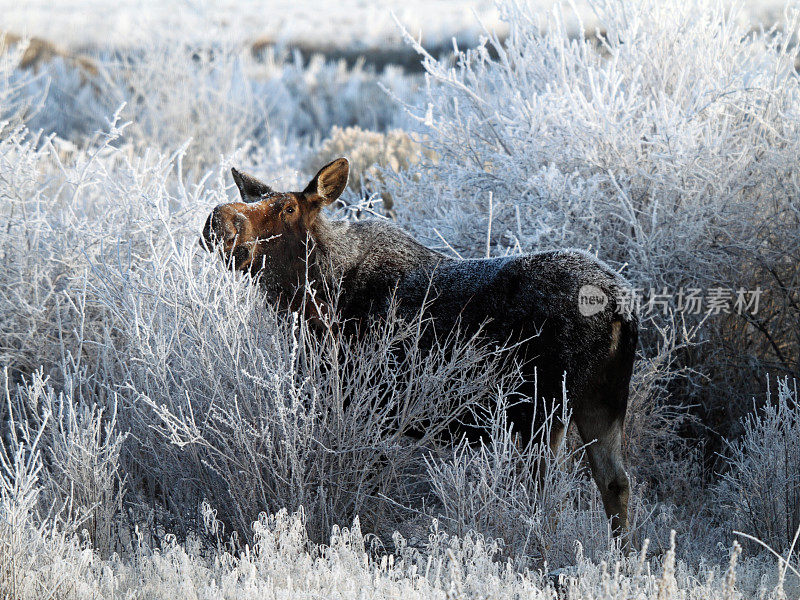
(80, 447)
(539, 502)
(310, 99)
(656, 448)
(38, 52)
(219, 99)
(37, 558)
(670, 148)
(536, 500)
(760, 483)
(65, 91)
(177, 94)
(36, 260)
(108, 293)
(16, 101)
(282, 562)
(76, 101)
(59, 219)
(369, 151)
(106, 301)
(216, 97)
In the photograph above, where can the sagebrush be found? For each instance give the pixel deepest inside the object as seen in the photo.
(155, 410)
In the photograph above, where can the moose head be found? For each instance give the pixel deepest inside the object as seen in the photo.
(267, 231)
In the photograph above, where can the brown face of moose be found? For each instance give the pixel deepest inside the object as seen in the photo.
(268, 230)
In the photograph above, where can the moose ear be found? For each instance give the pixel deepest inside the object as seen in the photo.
(251, 189)
(329, 183)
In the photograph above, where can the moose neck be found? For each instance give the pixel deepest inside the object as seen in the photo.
(334, 251)
(351, 264)
(365, 251)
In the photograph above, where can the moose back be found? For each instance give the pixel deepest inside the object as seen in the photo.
(565, 309)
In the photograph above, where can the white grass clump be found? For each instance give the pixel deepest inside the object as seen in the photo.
(80, 447)
(537, 503)
(176, 94)
(759, 485)
(219, 98)
(71, 100)
(16, 102)
(310, 99)
(215, 97)
(283, 563)
(255, 412)
(368, 152)
(40, 555)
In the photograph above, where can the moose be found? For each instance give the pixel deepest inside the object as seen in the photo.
(536, 299)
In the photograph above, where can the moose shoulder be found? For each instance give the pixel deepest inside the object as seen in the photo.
(565, 309)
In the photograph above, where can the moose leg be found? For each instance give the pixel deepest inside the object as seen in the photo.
(605, 458)
(556, 436)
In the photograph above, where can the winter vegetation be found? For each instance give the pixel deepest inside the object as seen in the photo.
(166, 432)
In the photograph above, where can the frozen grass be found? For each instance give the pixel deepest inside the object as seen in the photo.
(156, 408)
(37, 561)
(760, 484)
(215, 97)
(221, 99)
(529, 498)
(16, 101)
(80, 446)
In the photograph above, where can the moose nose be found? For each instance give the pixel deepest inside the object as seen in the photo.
(209, 236)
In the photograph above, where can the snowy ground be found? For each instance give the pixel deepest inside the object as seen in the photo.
(363, 23)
